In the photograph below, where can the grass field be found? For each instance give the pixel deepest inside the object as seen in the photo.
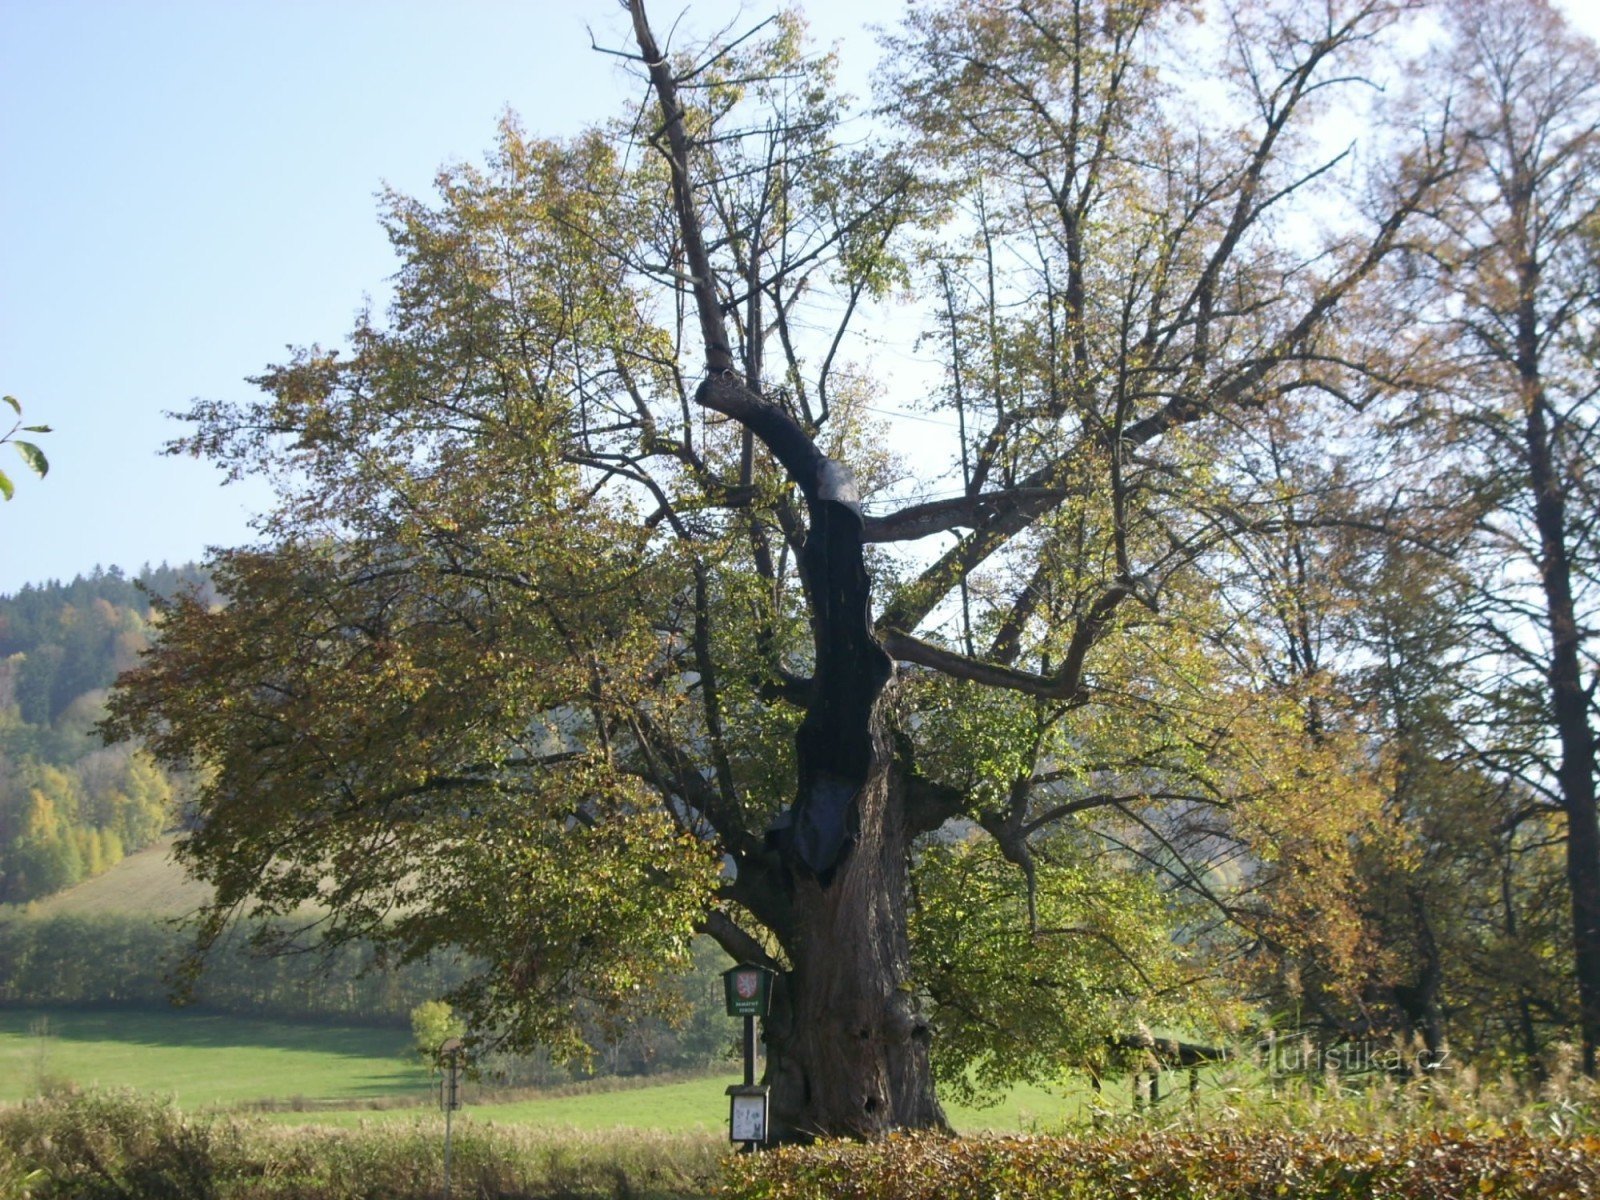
(148, 883)
(204, 1061)
(681, 1106)
(333, 1075)
(329, 1074)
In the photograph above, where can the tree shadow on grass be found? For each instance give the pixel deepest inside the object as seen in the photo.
(385, 1049)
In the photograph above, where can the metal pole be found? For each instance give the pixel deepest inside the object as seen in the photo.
(749, 1051)
(448, 1110)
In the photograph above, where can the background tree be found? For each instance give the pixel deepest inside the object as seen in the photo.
(1503, 276)
(432, 1024)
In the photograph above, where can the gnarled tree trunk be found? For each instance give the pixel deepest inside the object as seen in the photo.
(848, 1052)
(848, 1049)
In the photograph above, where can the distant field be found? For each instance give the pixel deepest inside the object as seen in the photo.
(208, 1062)
(148, 883)
(204, 1061)
(682, 1106)
(331, 1075)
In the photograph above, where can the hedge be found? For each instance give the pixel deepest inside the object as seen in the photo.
(1180, 1165)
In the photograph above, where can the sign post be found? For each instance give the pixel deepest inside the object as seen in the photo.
(748, 993)
(449, 1095)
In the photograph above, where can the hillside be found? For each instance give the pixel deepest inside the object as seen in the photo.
(146, 883)
(70, 806)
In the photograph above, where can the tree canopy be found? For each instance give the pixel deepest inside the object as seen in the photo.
(601, 603)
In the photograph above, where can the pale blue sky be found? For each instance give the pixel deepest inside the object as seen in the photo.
(187, 186)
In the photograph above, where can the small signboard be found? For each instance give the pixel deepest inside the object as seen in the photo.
(748, 991)
(747, 1113)
(450, 1054)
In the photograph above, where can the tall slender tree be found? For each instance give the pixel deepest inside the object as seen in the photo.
(1505, 271)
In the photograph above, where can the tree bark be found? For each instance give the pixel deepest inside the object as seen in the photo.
(1575, 771)
(849, 1054)
(1583, 877)
(847, 1046)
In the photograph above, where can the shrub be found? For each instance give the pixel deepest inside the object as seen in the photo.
(113, 1146)
(1179, 1165)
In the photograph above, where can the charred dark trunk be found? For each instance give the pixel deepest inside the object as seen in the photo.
(839, 747)
(847, 1048)
(848, 1052)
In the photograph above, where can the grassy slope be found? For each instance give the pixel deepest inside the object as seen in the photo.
(148, 882)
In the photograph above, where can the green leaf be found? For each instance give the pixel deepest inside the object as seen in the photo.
(36, 429)
(14, 402)
(6, 489)
(34, 457)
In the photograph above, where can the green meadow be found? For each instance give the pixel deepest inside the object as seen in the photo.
(345, 1076)
(204, 1061)
(340, 1075)
(679, 1106)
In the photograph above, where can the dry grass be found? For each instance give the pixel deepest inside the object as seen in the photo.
(133, 1148)
(147, 883)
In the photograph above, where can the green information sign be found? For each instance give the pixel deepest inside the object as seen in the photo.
(748, 991)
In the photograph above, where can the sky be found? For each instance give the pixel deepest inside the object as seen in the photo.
(189, 188)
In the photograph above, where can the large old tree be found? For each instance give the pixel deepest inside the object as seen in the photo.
(597, 608)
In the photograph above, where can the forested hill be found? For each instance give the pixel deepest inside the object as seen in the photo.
(69, 806)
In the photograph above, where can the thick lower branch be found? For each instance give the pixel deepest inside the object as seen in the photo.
(929, 804)
(740, 945)
(959, 512)
(1011, 513)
